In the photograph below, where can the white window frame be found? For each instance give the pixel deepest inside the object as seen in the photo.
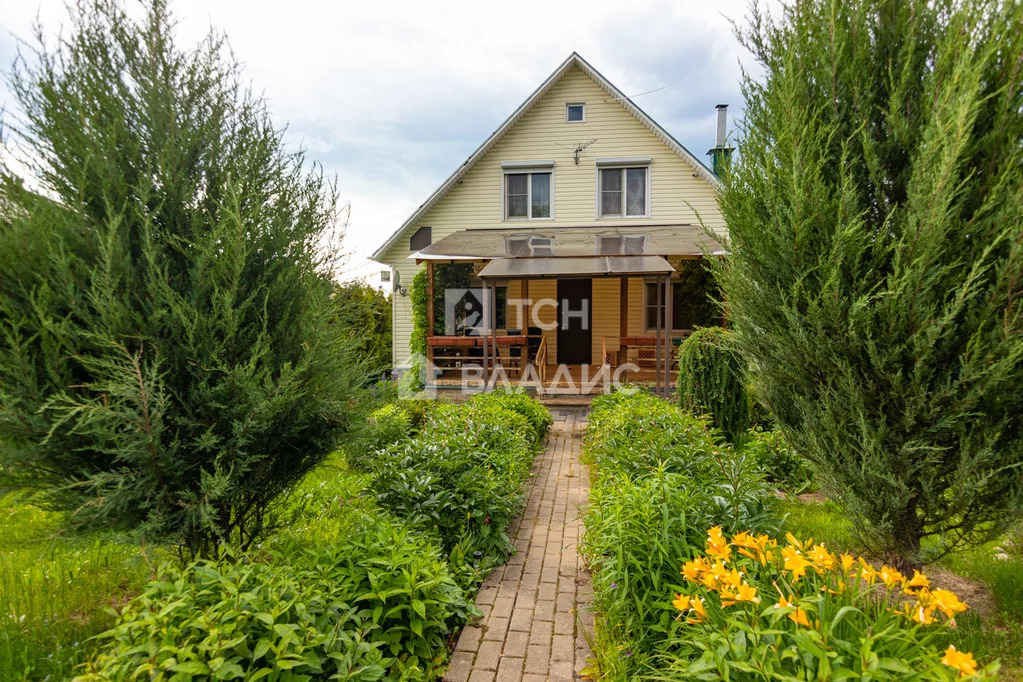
(529, 169)
(647, 304)
(622, 164)
(568, 105)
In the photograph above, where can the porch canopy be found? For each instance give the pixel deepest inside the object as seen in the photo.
(570, 242)
(598, 266)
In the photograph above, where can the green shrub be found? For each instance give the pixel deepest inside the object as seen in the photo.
(462, 478)
(637, 433)
(874, 220)
(379, 605)
(660, 479)
(781, 465)
(712, 381)
(538, 416)
(417, 409)
(173, 358)
(390, 424)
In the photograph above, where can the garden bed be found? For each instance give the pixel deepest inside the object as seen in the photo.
(702, 571)
(371, 574)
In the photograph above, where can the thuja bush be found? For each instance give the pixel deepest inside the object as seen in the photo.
(379, 605)
(171, 357)
(875, 263)
(659, 478)
(712, 380)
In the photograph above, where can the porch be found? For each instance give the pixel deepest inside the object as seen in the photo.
(529, 309)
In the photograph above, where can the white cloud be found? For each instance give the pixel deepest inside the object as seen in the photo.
(392, 96)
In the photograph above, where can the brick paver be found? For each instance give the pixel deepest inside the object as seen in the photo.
(535, 608)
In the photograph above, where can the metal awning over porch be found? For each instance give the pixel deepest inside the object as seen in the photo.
(603, 266)
(570, 242)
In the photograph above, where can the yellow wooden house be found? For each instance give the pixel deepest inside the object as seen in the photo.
(566, 247)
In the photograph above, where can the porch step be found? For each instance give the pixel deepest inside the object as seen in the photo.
(567, 400)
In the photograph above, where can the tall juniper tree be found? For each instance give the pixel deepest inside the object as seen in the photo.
(876, 273)
(170, 354)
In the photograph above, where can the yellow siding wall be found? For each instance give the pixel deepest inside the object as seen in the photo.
(606, 307)
(676, 194)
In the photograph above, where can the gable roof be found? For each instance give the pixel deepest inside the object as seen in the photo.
(573, 59)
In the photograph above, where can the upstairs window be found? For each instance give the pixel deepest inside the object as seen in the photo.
(623, 192)
(575, 113)
(527, 196)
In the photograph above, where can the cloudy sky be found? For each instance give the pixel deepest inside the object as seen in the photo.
(393, 96)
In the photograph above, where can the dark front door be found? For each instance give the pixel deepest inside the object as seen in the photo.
(575, 321)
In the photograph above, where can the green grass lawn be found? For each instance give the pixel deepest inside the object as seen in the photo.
(55, 590)
(999, 634)
(58, 589)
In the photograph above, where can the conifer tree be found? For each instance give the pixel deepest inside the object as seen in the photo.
(875, 282)
(170, 353)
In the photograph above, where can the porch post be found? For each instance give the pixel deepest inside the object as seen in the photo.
(429, 297)
(493, 327)
(667, 336)
(657, 343)
(486, 354)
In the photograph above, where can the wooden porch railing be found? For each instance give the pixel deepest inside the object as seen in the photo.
(540, 361)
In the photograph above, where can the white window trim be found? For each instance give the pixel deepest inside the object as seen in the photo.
(575, 104)
(516, 168)
(647, 304)
(622, 164)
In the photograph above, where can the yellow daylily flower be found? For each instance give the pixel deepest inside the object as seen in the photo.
(960, 660)
(799, 617)
(783, 603)
(946, 602)
(681, 602)
(692, 570)
(923, 614)
(795, 562)
(919, 580)
(701, 613)
(848, 561)
(822, 559)
(890, 576)
(867, 571)
(747, 593)
(720, 551)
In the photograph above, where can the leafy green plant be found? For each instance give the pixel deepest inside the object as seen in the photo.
(519, 401)
(417, 409)
(781, 465)
(712, 380)
(418, 297)
(390, 424)
(462, 478)
(379, 605)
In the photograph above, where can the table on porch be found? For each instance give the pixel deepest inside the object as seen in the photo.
(451, 352)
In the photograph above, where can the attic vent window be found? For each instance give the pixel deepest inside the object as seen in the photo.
(575, 113)
(421, 239)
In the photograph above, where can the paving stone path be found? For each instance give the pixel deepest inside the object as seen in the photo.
(535, 616)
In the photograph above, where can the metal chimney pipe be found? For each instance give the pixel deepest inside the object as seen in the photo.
(722, 123)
